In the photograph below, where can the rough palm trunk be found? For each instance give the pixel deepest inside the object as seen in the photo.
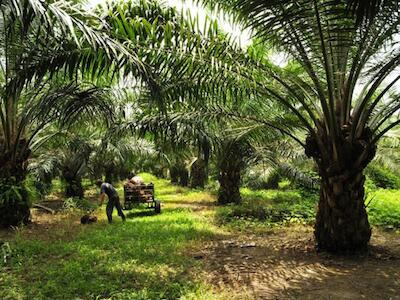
(14, 200)
(230, 164)
(179, 174)
(74, 188)
(229, 184)
(342, 221)
(184, 177)
(198, 174)
(109, 175)
(73, 185)
(174, 174)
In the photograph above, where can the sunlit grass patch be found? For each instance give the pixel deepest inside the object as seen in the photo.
(262, 208)
(143, 258)
(384, 208)
(173, 194)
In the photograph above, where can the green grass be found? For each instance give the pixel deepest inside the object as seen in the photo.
(148, 256)
(384, 208)
(267, 208)
(141, 259)
(144, 258)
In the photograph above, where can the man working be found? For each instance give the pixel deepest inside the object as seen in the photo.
(113, 199)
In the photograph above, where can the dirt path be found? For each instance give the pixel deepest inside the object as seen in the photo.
(283, 264)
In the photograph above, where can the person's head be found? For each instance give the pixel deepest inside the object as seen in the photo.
(99, 182)
(131, 175)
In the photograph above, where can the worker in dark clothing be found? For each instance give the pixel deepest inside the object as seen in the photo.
(113, 199)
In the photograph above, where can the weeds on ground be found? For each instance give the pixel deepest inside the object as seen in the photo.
(268, 208)
(140, 259)
(383, 208)
(143, 258)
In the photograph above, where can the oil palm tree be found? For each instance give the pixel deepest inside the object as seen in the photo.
(115, 156)
(215, 131)
(74, 159)
(349, 57)
(184, 58)
(67, 156)
(38, 42)
(232, 156)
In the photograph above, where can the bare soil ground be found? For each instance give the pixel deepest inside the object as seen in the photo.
(46, 226)
(282, 263)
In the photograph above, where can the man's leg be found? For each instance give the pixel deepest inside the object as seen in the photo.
(119, 208)
(109, 210)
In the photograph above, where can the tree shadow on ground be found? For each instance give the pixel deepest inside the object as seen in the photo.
(282, 267)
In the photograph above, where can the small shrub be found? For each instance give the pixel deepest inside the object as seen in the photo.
(384, 208)
(382, 177)
(269, 208)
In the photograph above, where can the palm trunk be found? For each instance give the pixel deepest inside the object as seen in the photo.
(179, 174)
(174, 174)
(183, 177)
(229, 184)
(73, 185)
(198, 174)
(74, 188)
(109, 175)
(14, 199)
(230, 164)
(342, 222)
(159, 172)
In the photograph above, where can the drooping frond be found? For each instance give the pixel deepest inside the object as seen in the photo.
(330, 43)
(188, 63)
(62, 36)
(64, 105)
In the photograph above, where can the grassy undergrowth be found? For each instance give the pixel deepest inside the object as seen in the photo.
(146, 257)
(269, 208)
(384, 208)
(143, 258)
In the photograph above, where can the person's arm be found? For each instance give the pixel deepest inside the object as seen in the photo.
(101, 198)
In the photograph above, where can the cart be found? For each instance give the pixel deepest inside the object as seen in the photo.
(142, 193)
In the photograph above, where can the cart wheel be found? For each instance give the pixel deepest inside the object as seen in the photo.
(157, 206)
